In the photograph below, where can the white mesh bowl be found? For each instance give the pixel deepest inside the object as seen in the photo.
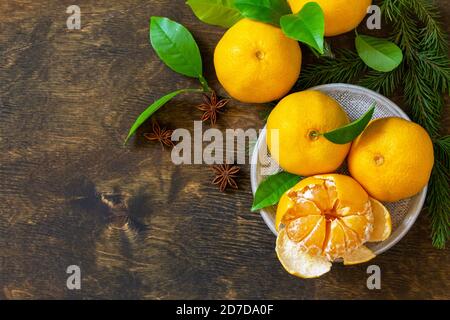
(355, 101)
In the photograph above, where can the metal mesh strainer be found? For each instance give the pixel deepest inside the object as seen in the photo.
(355, 101)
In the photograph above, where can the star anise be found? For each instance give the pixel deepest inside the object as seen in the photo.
(225, 176)
(161, 135)
(211, 107)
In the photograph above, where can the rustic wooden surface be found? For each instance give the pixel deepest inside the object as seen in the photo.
(67, 101)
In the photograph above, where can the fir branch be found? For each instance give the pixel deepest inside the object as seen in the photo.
(403, 22)
(443, 154)
(346, 67)
(428, 75)
(427, 69)
(426, 105)
(438, 199)
(432, 35)
(436, 68)
(391, 9)
(424, 33)
(384, 82)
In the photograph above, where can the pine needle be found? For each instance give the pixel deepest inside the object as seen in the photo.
(443, 151)
(384, 82)
(419, 34)
(432, 34)
(438, 199)
(426, 105)
(437, 67)
(346, 67)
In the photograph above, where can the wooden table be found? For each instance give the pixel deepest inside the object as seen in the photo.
(66, 180)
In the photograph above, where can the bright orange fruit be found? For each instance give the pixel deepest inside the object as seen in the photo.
(392, 159)
(324, 218)
(294, 133)
(256, 62)
(341, 16)
(328, 215)
(382, 225)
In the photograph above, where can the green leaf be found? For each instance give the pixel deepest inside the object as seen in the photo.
(176, 46)
(216, 12)
(268, 11)
(379, 54)
(349, 132)
(307, 26)
(153, 108)
(270, 190)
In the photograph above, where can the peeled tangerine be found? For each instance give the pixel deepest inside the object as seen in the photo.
(324, 218)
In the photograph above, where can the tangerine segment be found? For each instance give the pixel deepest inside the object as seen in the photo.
(292, 210)
(335, 246)
(297, 262)
(360, 255)
(353, 199)
(301, 208)
(310, 181)
(360, 224)
(313, 243)
(291, 206)
(382, 225)
(301, 227)
(352, 240)
(318, 194)
(283, 208)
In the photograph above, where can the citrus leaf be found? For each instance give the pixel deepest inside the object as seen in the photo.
(216, 12)
(269, 11)
(307, 26)
(176, 46)
(153, 108)
(349, 132)
(379, 54)
(270, 190)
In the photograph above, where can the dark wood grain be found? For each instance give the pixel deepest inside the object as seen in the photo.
(138, 226)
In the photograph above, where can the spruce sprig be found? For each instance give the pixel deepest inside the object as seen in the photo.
(345, 66)
(384, 82)
(432, 35)
(438, 199)
(423, 77)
